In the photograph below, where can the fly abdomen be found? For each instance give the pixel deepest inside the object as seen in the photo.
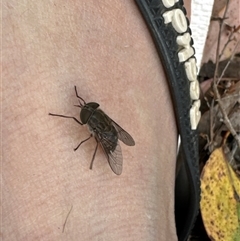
(109, 139)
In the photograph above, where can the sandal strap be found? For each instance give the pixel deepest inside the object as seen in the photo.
(169, 27)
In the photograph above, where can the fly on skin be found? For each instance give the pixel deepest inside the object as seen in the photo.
(105, 131)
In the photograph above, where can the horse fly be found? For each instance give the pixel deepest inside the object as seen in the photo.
(105, 131)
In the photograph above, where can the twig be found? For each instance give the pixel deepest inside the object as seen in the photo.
(216, 93)
(219, 40)
(211, 127)
(230, 39)
(225, 117)
(229, 79)
(229, 61)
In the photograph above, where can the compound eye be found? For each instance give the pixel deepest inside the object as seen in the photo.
(85, 115)
(92, 105)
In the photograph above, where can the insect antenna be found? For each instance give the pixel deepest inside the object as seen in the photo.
(80, 104)
(79, 97)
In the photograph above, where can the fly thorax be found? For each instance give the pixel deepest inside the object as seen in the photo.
(87, 111)
(91, 130)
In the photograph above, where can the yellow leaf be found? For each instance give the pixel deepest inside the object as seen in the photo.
(219, 207)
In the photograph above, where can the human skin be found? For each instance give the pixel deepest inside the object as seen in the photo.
(104, 48)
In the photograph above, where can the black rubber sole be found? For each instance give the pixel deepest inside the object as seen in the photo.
(186, 104)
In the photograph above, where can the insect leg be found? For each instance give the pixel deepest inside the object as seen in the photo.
(79, 96)
(64, 116)
(82, 142)
(94, 154)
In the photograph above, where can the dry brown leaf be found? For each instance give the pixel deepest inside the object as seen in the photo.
(231, 105)
(219, 207)
(211, 44)
(218, 7)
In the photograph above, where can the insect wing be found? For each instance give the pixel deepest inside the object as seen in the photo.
(114, 157)
(123, 135)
